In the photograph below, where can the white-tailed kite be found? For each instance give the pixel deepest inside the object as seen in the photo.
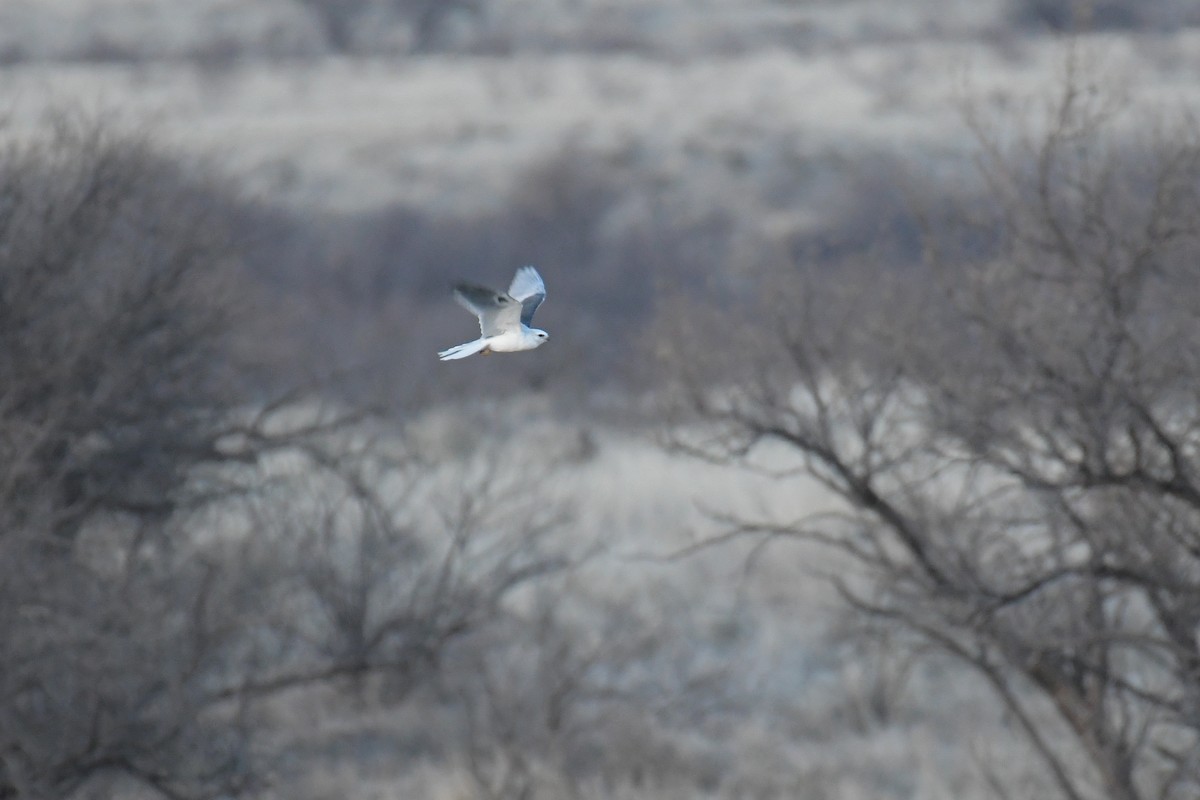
(503, 318)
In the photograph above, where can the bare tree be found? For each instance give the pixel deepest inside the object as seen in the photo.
(1014, 430)
(578, 688)
(391, 557)
(108, 666)
(114, 398)
(173, 549)
(113, 312)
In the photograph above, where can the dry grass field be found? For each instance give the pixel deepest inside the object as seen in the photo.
(455, 129)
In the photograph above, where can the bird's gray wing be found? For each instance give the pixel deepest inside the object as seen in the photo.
(528, 288)
(498, 312)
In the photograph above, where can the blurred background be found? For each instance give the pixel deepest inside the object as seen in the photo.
(386, 149)
(260, 542)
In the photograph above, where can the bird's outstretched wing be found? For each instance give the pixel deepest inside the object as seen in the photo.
(498, 312)
(528, 289)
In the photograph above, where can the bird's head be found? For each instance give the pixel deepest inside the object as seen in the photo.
(540, 336)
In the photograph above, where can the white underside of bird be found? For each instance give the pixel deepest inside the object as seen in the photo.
(511, 342)
(503, 317)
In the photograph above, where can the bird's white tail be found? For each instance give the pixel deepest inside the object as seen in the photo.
(463, 350)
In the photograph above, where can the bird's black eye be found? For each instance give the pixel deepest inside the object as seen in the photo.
(501, 298)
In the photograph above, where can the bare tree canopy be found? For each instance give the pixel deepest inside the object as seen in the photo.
(174, 556)
(1014, 431)
(114, 314)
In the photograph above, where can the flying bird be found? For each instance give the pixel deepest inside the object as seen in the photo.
(503, 317)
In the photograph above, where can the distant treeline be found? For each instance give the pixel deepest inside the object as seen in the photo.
(366, 295)
(218, 35)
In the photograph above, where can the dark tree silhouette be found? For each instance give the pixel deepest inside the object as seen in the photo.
(1015, 434)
